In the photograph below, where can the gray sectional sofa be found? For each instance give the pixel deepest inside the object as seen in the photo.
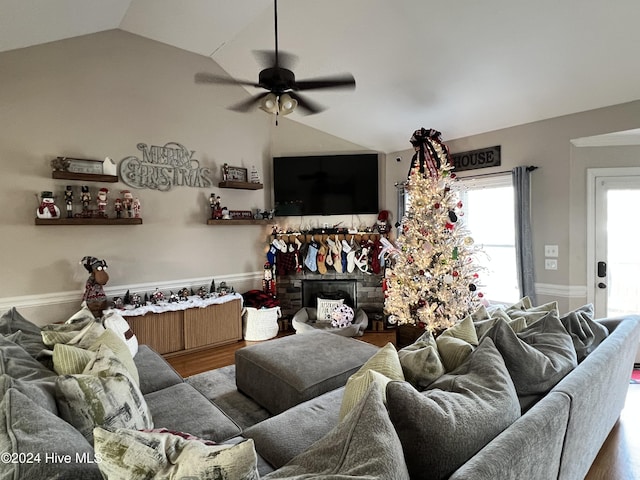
(557, 437)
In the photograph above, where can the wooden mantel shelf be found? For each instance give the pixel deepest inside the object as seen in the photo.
(241, 221)
(85, 177)
(88, 221)
(241, 185)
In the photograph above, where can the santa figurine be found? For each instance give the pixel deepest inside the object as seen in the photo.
(102, 201)
(47, 208)
(383, 225)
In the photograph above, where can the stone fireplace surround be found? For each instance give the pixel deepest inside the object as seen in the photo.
(368, 290)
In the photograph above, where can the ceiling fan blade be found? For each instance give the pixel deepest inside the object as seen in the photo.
(308, 107)
(248, 104)
(339, 81)
(267, 58)
(204, 77)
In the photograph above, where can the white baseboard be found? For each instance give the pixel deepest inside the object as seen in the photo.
(58, 306)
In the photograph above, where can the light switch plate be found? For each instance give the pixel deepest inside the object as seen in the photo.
(551, 250)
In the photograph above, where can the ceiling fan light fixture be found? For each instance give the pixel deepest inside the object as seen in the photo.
(287, 104)
(269, 103)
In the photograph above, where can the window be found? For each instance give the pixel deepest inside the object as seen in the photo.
(488, 206)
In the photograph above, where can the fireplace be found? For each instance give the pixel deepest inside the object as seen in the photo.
(312, 289)
(300, 290)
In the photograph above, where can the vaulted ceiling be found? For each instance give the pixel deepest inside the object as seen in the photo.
(462, 67)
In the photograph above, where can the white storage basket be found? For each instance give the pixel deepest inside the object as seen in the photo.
(260, 323)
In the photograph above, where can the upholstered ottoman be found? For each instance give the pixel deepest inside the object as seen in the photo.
(284, 372)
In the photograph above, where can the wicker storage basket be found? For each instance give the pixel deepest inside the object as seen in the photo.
(260, 324)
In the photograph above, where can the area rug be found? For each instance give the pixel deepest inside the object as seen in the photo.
(219, 386)
(635, 376)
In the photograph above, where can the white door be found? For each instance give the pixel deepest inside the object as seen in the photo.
(614, 270)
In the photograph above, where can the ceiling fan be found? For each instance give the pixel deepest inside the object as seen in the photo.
(279, 81)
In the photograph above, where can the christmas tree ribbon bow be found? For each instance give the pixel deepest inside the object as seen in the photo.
(426, 156)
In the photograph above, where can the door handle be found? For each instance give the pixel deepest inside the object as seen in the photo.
(602, 269)
(602, 285)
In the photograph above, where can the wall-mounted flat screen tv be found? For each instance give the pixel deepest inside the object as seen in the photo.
(326, 184)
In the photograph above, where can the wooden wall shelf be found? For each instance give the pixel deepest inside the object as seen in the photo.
(88, 221)
(84, 177)
(241, 221)
(241, 185)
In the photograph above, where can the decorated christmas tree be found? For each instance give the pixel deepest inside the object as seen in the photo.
(433, 281)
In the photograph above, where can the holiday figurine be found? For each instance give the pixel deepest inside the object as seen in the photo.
(47, 208)
(216, 209)
(268, 280)
(68, 200)
(117, 205)
(253, 176)
(225, 172)
(383, 225)
(94, 295)
(136, 207)
(85, 199)
(102, 201)
(127, 201)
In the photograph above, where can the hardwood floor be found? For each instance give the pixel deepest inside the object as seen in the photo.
(619, 458)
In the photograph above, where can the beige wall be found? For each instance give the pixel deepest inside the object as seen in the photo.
(100, 95)
(558, 186)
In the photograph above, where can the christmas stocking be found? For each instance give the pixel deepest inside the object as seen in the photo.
(312, 253)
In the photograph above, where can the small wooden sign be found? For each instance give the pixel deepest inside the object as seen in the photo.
(240, 214)
(473, 159)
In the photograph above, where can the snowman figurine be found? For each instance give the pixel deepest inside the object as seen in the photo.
(47, 208)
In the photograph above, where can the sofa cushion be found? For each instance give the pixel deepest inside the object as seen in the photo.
(41, 391)
(277, 443)
(364, 445)
(286, 371)
(31, 339)
(182, 408)
(16, 362)
(421, 362)
(444, 426)
(155, 372)
(538, 357)
(138, 455)
(381, 368)
(27, 429)
(104, 395)
(585, 332)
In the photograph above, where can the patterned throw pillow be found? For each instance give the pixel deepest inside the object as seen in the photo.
(104, 395)
(137, 455)
(325, 307)
(80, 334)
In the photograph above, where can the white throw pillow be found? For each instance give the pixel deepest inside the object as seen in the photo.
(325, 307)
(116, 322)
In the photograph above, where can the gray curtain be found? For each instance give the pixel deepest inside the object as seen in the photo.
(402, 201)
(524, 242)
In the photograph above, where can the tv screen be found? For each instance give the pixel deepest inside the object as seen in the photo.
(326, 184)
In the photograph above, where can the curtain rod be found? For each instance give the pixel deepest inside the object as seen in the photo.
(530, 168)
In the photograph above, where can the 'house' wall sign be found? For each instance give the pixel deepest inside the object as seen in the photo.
(162, 167)
(481, 158)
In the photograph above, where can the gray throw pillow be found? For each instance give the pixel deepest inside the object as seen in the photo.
(444, 426)
(16, 362)
(363, 445)
(586, 333)
(41, 391)
(27, 430)
(30, 339)
(421, 362)
(538, 357)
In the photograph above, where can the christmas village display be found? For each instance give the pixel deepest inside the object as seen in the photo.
(97, 301)
(433, 279)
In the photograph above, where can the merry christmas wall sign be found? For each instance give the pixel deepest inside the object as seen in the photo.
(162, 167)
